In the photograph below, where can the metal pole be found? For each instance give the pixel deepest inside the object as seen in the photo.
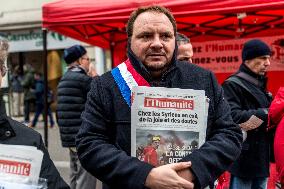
(111, 53)
(44, 36)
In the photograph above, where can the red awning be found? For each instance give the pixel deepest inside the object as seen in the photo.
(102, 23)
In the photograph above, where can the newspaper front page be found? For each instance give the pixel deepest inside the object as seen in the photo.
(19, 166)
(167, 124)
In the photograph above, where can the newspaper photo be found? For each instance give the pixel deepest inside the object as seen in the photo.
(19, 166)
(167, 124)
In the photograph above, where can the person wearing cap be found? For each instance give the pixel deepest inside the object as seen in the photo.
(185, 51)
(150, 153)
(15, 133)
(72, 94)
(249, 101)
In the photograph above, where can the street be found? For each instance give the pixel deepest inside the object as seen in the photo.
(58, 154)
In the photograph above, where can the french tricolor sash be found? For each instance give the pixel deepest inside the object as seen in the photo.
(126, 77)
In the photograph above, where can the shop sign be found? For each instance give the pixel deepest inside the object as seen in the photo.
(31, 40)
(224, 56)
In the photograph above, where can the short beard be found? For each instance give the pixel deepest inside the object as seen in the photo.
(152, 68)
(157, 72)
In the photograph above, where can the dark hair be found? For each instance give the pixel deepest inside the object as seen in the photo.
(155, 8)
(181, 38)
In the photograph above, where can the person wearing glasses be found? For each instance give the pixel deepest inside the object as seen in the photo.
(185, 51)
(16, 133)
(72, 95)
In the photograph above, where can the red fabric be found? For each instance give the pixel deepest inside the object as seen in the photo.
(276, 116)
(273, 179)
(150, 155)
(276, 109)
(102, 23)
(279, 150)
(223, 181)
(72, 12)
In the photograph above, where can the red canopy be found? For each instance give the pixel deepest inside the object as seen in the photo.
(102, 23)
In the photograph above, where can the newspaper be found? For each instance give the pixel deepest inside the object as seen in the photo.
(253, 123)
(167, 124)
(19, 166)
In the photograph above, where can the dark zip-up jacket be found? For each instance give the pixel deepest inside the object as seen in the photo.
(103, 141)
(254, 159)
(71, 98)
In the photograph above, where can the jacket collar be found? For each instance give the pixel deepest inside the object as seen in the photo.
(6, 130)
(262, 79)
(77, 68)
(141, 69)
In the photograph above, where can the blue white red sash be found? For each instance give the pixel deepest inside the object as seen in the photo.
(126, 77)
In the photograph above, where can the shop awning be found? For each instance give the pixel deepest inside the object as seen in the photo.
(102, 23)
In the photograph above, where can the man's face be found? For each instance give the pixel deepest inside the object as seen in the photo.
(259, 65)
(153, 40)
(156, 144)
(85, 62)
(185, 52)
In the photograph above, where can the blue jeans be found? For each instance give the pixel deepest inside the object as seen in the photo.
(248, 183)
(39, 110)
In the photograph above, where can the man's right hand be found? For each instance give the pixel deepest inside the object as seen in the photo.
(166, 177)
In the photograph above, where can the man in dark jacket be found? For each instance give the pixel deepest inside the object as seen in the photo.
(72, 95)
(15, 133)
(28, 84)
(104, 140)
(17, 92)
(39, 94)
(249, 100)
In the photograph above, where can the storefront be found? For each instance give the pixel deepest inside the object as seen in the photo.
(26, 47)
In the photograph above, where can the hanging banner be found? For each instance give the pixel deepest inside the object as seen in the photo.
(225, 56)
(31, 40)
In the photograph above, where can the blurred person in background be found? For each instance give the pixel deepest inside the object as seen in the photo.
(17, 92)
(39, 94)
(28, 84)
(15, 133)
(185, 51)
(71, 98)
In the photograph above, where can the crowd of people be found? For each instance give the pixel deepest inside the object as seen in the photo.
(94, 116)
(27, 91)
